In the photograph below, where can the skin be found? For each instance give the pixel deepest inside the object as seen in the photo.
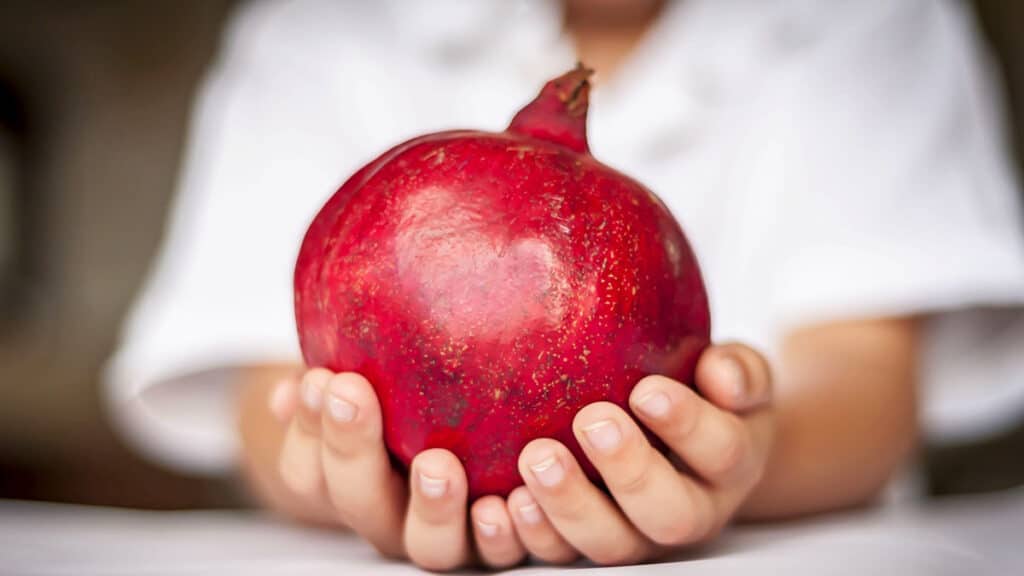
(823, 429)
(826, 434)
(605, 32)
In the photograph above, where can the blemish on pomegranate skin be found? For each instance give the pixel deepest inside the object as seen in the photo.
(437, 155)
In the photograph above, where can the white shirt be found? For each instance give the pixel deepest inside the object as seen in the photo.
(827, 160)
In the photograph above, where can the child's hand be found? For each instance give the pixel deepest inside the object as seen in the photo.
(721, 442)
(334, 458)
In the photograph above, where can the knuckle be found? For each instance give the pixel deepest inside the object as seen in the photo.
(344, 511)
(568, 506)
(302, 483)
(336, 447)
(347, 506)
(392, 549)
(711, 533)
(756, 474)
(438, 516)
(559, 557)
(441, 513)
(617, 555)
(731, 454)
(434, 560)
(350, 441)
(552, 550)
(635, 480)
(308, 422)
(299, 472)
(677, 532)
(502, 561)
(686, 423)
(606, 558)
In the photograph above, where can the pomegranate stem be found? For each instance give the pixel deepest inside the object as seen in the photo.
(559, 113)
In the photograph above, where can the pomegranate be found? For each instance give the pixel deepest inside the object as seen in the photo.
(489, 285)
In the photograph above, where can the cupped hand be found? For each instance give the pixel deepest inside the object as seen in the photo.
(333, 458)
(718, 445)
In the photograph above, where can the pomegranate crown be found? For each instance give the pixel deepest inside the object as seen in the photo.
(559, 113)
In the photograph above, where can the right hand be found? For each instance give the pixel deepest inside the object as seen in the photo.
(333, 458)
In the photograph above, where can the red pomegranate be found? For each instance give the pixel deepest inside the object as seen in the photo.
(489, 285)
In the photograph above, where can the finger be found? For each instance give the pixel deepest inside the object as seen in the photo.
(299, 463)
(714, 443)
(734, 377)
(496, 542)
(535, 531)
(283, 400)
(311, 398)
(435, 526)
(581, 513)
(668, 507)
(266, 440)
(369, 495)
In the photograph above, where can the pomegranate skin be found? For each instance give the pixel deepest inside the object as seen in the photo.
(489, 285)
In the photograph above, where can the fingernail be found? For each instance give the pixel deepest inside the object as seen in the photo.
(486, 529)
(339, 409)
(312, 395)
(733, 378)
(548, 471)
(280, 398)
(603, 435)
(530, 513)
(432, 487)
(655, 405)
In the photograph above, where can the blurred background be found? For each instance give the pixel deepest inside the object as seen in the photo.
(94, 102)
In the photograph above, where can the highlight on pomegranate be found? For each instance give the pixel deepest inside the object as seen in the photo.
(412, 286)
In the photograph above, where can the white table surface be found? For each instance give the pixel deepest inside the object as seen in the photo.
(977, 536)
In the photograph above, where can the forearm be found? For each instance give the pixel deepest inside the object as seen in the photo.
(846, 421)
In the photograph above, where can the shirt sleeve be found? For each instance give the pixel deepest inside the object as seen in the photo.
(892, 195)
(219, 295)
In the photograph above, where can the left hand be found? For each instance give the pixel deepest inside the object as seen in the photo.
(722, 440)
